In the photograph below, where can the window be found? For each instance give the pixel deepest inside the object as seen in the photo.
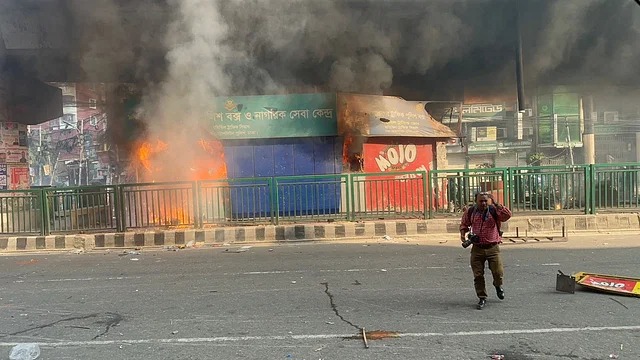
(68, 100)
(92, 104)
(501, 133)
(93, 121)
(610, 117)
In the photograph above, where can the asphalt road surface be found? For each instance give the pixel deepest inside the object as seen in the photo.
(311, 301)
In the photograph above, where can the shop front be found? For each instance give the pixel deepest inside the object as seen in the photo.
(389, 135)
(279, 135)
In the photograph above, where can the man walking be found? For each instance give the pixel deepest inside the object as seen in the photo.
(483, 220)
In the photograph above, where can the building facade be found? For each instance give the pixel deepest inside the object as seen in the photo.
(70, 150)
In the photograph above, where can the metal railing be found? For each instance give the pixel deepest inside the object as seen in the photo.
(337, 197)
(389, 195)
(542, 189)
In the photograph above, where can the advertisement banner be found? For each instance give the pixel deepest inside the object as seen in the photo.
(3, 176)
(273, 116)
(19, 178)
(559, 119)
(485, 133)
(13, 156)
(403, 195)
(389, 158)
(608, 283)
(13, 135)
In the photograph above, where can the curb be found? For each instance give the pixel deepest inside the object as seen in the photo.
(520, 229)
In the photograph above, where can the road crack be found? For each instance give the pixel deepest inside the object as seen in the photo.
(335, 307)
(112, 320)
(51, 324)
(109, 320)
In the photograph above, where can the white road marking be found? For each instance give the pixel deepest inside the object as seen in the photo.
(551, 264)
(276, 272)
(325, 336)
(78, 279)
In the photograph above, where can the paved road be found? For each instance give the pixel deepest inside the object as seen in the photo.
(304, 301)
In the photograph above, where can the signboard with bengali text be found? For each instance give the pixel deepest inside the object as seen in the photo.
(273, 116)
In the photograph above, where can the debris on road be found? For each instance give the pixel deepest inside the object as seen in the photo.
(611, 284)
(191, 244)
(497, 357)
(383, 270)
(364, 337)
(29, 351)
(387, 237)
(130, 252)
(77, 251)
(29, 262)
(565, 283)
(239, 250)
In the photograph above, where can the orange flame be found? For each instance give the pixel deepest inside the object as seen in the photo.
(157, 160)
(348, 140)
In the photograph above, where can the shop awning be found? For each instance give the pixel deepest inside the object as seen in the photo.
(387, 116)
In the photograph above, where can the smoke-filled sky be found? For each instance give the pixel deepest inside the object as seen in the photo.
(186, 51)
(373, 46)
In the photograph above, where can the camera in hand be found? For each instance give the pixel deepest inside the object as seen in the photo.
(471, 239)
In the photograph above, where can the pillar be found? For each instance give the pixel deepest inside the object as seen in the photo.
(588, 136)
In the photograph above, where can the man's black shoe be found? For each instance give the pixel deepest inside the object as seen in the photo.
(481, 304)
(500, 292)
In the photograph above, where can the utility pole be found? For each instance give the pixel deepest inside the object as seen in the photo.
(519, 66)
(40, 157)
(588, 137)
(81, 135)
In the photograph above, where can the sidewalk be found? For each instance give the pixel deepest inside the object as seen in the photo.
(518, 229)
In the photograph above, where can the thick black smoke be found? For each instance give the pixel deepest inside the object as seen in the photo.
(184, 52)
(401, 46)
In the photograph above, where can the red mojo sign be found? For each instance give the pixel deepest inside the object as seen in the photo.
(406, 195)
(401, 157)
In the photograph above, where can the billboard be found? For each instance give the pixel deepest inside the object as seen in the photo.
(273, 116)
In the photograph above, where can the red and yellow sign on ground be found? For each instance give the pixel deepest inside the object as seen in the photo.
(609, 283)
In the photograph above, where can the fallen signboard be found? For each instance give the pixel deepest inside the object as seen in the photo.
(619, 285)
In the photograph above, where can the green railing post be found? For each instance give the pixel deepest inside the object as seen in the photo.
(430, 189)
(506, 187)
(592, 188)
(425, 195)
(347, 195)
(275, 204)
(197, 215)
(44, 214)
(351, 202)
(121, 211)
(587, 189)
